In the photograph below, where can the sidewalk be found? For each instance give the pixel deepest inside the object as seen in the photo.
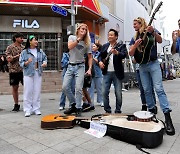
(21, 135)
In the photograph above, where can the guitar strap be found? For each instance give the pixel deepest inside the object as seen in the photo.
(139, 147)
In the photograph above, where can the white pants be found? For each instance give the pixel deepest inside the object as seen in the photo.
(32, 90)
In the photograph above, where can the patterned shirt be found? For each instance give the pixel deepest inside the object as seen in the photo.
(13, 50)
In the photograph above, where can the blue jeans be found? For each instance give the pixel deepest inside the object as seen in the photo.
(109, 78)
(96, 82)
(77, 72)
(63, 96)
(152, 71)
(142, 95)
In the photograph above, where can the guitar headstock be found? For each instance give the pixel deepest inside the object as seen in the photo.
(118, 44)
(157, 9)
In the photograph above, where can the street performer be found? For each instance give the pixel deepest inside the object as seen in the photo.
(110, 61)
(151, 70)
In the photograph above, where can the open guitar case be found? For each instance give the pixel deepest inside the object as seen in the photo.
(141, 139)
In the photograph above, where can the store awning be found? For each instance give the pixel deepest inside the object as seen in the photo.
(87, 10)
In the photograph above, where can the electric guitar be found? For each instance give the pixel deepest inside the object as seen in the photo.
(143, 52)
(106, 59)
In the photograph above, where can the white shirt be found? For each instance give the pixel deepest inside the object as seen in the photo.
(34, 52)
(110, 65)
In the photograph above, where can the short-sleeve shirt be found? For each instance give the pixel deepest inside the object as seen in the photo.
(13, 50)
(77, 53)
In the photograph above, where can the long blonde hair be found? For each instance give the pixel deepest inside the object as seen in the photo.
(143, 26)
(86, 38)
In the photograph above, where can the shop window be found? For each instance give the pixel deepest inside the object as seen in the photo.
(47, 42)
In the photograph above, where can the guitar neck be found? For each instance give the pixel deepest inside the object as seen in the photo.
(150, 22)
(152, 18)
(108, 55)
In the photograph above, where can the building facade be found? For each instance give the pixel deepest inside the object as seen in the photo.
(121, 15)
(38, 17)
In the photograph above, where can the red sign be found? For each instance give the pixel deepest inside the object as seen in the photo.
(91, 4)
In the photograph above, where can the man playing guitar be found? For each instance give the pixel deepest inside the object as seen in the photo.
(110, 61)
(151, 71)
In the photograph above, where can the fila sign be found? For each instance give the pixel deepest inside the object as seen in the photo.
(24, 23)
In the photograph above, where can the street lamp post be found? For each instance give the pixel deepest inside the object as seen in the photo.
(72, 17)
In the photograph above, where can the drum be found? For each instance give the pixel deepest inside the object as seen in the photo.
(143, 116)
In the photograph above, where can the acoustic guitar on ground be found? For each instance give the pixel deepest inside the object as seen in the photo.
(57, 121)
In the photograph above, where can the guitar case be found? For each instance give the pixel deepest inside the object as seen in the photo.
(125, 128)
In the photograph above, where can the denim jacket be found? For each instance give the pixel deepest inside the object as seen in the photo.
(178, 45)
(29, 70)
(97, 70)
(65, 60)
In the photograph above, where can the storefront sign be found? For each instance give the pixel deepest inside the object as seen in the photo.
(26, 24)
(30, 24)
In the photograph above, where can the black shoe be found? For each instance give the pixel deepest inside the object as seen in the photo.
(144, 107)
(16, 107)
(86, 107)
(78, 112)
(108, 112)
(169, 125)
(71, 110)
(117, 112)
(92, 108)
(153, 110)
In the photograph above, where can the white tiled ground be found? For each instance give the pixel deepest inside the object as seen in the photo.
(20, 135)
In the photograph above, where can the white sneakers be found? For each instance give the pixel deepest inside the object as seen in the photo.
(28, 114)
(101, 104)
(61, 108)
(37, 112)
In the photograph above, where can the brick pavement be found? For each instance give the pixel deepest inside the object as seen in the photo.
(20, 135)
